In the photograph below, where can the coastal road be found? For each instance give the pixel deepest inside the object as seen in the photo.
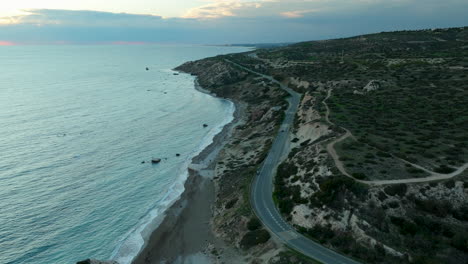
(262, 190)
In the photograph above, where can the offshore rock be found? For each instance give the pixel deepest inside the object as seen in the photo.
(94, 261)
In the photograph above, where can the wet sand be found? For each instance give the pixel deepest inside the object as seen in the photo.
(186, 230)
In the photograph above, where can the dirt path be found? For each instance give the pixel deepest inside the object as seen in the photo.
(261, 197)
(331, 146)
(336, 158)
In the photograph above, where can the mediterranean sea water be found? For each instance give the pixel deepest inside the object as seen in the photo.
(76, 122)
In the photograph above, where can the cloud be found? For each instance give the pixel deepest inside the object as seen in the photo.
(286, 8)
(236, 21)
(81, 18)
(220, 9)
(298, 13)
(252, 8)
(6, 43)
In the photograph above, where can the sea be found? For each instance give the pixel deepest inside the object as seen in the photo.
(79, 126)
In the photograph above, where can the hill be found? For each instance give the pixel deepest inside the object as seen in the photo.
(376, 165)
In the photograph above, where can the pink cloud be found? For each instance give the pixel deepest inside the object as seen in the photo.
(220, 9)
(6, 43)
(298, 13)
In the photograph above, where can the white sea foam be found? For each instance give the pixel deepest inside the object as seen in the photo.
(84, 129)
(135, 240)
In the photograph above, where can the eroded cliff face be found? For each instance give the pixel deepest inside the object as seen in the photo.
(401, 223)
(425, 222)
(216, 76)
(260, 104)
(399, 102)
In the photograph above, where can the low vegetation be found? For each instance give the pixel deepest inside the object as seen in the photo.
(404, 98)
(253, 238)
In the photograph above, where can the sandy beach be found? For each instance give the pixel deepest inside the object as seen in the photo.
(185, 235)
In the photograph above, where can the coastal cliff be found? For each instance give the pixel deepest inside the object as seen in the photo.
(213, 221)
(262, 104)
(376, 163)
(377, 160)
(378, 156)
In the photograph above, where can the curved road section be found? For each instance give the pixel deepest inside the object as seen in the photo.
(262, 190)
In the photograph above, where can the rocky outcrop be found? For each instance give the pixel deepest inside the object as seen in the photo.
(214, 75)
(259, 103)
(371, 86)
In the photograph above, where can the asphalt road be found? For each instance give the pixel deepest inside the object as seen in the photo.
(262, 191)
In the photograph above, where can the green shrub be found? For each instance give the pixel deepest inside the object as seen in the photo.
(414, 170)
(342, 240)
(331, 187)
(430, 226)
(437, 208)
(444, 169)
(253, 238)
(396, 189)
(231, 203)
(321, 233)
(405, 226)
(286, 206)
(382, 196)
(450, 184)
(424, 260)
(383, 154)
(359, 176)
(286, 196)
(279, 77)
(254, 224)
(460, 241)
(461, 214)
(285, 170)
(379, 249)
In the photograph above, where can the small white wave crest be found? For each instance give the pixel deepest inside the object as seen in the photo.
(135, 240)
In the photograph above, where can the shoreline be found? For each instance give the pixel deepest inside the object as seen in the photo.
(185, 233)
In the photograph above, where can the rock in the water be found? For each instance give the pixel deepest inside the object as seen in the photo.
(94, 261)
(177, 155)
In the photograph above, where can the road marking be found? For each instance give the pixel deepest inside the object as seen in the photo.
(288, 235)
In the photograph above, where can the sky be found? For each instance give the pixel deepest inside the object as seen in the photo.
(216, 21)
